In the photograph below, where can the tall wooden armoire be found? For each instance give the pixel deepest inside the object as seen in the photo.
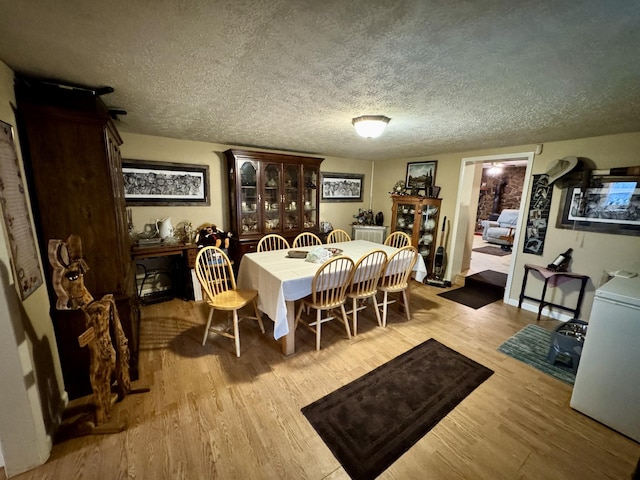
(73, 166)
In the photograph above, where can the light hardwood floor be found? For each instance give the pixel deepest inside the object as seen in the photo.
(211, 415)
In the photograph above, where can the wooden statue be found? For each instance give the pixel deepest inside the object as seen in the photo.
(107, 343)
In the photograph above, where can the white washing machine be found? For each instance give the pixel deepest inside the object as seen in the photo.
(607, 386)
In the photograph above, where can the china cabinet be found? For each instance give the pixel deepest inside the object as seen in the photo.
(271, 193)
(71, 152)
(418, 217)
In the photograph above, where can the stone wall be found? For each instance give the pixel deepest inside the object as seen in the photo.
(508, 184)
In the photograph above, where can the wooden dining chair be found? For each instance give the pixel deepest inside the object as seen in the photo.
(337, 236)
(364, 285)
(214, 270)
(395, 278)
(306, 239)
(273, 241)
(328, 294)
(398, 240)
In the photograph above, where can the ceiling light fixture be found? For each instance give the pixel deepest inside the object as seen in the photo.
(495, 169)
(370, 126)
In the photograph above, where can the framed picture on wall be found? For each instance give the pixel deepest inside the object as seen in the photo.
(419, 173)
(165, 183)
(611, 207)
(341, 187)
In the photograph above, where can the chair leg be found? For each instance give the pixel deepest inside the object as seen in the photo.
(236, 332)
(258, 317)
(406, 304)
(345, 320)
(375, 307)
(318, 327)
(355, 316)
(384, 309)
(206, 329)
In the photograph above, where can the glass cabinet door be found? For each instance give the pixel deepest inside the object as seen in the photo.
(427, 233)
(310, 218)
(291, 197)
(405, 218)
(249, 197)
(272, 197)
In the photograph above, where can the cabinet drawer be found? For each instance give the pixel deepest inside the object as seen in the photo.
(192, 253)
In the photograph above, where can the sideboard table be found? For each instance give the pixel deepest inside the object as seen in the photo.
(556, 278)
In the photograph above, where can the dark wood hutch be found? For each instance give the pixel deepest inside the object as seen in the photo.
(271, 193)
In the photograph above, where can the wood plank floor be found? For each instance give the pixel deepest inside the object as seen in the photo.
(212, 415)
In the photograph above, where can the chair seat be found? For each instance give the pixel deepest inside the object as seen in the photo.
(393, 288)
(325, 306)
(361, 295)
(232, 299)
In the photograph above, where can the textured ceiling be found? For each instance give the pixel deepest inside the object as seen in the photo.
(290, 74)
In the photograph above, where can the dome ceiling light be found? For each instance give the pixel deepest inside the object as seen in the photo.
(370, 126)
(496, 169)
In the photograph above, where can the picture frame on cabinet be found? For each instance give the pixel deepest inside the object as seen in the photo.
(341, 187)
(419, 172)
(149, 182)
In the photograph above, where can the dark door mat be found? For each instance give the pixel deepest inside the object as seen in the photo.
(495, 251)
(474, 296)
(487, 278)
(479, 289)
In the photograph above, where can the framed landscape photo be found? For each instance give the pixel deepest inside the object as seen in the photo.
(165, 183)
(341, 187)
(419, 173)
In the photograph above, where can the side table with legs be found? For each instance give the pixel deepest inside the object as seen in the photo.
(556, 277)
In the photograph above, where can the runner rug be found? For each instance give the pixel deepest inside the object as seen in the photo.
(369, 423)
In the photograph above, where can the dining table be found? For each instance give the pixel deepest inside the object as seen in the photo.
(281, 280)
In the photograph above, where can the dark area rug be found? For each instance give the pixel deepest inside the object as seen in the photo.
(479, 289)
(531, 346)
(369, 423)
(496, 251)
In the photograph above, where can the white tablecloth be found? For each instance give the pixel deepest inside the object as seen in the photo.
(279, 279)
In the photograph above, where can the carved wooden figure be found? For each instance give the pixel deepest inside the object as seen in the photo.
(104, 331)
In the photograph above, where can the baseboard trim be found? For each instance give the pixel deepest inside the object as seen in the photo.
(546, 311)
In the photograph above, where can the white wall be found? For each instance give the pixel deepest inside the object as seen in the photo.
(32, 387)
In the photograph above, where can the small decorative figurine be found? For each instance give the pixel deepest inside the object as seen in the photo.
(398, 188)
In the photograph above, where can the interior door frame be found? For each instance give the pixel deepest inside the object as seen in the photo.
(467, 207)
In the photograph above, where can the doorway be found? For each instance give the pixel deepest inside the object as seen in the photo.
(464, 225)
